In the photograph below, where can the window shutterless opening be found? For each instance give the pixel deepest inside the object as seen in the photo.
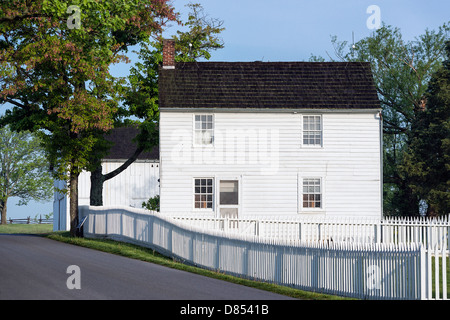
(203, 129)
(312, 130)
(203, 193)
(312, 193)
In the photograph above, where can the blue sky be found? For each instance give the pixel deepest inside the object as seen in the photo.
(292, 30)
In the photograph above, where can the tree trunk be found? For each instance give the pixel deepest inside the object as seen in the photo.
(96, 193)
(3, 205)
(97, 178)
(73, 193)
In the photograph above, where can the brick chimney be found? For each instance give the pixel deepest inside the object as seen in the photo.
(168, 54)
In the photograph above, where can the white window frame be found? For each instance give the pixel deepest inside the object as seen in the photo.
(212, 194)
(322, 193)
(320, 130)
(196, 130)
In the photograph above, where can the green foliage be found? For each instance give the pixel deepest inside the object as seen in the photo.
(401, 70)
(427, 159)
(23, 169)
(57, 77)
(152, 204)
(202, 37)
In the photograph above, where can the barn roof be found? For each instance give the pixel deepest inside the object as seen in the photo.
(268, 85)
(124, 147)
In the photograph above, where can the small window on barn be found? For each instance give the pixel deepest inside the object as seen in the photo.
(203, 129)
(312, 130)
(203, 193)
(312, 193)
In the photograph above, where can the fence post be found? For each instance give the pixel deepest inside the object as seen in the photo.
(169, 236)
(377, 227)
(217, 257)
(191, 247)
(300, 231)
(436, 271)
(278, 264)
(245, 261)
(422, 280)
(444, 271)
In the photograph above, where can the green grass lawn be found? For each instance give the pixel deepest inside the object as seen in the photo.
(26, 228)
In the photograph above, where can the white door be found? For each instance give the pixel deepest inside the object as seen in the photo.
(229, 199)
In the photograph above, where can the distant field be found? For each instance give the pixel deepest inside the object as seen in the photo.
(26, 228)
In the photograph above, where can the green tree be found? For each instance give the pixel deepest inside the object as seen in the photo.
(401, 71)
(141, 94)
(427, 159)
(54, 68)
(23, 170)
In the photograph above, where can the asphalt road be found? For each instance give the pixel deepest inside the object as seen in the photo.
(33, 267)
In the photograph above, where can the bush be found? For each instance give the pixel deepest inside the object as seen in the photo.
(152, 204)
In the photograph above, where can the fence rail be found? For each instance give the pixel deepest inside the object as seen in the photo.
(355, 269)
(429, 232)
(30, 220)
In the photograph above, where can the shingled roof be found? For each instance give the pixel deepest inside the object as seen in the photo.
(271, 85)
(124, 146)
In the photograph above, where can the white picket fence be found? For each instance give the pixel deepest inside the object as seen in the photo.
(429, 232)
(355, 269)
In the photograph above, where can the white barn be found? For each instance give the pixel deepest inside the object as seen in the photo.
(136, 184)
(241, 139)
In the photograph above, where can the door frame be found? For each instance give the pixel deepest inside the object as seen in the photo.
(224, 206)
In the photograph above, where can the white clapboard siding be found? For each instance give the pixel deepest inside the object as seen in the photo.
(136, 184)
(264, 152)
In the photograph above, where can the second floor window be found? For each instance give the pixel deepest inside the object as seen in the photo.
(203, 130)
(312, 130)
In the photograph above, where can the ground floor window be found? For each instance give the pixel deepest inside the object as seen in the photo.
(312, 193)
(203, 193)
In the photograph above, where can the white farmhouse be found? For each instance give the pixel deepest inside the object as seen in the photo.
(241, 139)
(136, 184)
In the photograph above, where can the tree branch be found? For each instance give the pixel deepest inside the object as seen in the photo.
(125, 165)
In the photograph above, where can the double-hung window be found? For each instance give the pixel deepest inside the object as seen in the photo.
(312, 130)
(203, 193)
(312, 193)
(203, 129)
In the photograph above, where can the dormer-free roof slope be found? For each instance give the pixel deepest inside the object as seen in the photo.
(123, 146)
(268, 85)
